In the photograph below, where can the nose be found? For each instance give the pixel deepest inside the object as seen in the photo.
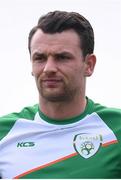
(50, 66)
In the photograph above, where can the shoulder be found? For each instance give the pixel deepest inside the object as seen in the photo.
(7, 121)
(110, 116)
(104, 111)
(108, 112)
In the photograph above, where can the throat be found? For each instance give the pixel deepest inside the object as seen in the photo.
(61, 111)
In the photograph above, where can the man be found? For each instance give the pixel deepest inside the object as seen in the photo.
(67, 135)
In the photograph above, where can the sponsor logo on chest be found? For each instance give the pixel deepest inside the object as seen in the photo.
(25, 144)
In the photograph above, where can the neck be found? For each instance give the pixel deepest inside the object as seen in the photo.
(62, 110)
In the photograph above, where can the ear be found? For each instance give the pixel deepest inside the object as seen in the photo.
(90, 61)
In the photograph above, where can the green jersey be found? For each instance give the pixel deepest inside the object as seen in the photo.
(33, 145)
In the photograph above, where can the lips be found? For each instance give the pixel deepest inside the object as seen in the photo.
(51, 82)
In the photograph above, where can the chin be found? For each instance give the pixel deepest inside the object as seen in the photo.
(54, 97)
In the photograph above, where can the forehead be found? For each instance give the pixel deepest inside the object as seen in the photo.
(65, 41)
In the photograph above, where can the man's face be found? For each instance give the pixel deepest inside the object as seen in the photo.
(58, 65)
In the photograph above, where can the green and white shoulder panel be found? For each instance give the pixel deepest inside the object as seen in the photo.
(8, 121)
(111, 117)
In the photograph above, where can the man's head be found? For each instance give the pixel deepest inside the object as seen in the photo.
(59, 21)
(61, 51)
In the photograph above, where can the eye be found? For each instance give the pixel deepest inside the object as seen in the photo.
(63, 57)
(39, 58)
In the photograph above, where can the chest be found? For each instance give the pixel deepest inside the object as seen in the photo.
(84, 150)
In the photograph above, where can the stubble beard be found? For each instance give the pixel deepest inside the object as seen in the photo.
(65, 94)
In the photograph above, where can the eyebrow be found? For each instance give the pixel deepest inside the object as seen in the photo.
(54, 54)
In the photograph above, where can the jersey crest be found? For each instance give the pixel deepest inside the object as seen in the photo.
(87, 144)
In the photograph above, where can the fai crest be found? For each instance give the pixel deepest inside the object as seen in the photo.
(87, 144)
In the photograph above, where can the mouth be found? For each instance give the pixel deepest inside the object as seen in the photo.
(51, 82)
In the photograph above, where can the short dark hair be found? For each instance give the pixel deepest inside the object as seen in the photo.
(58, 21)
